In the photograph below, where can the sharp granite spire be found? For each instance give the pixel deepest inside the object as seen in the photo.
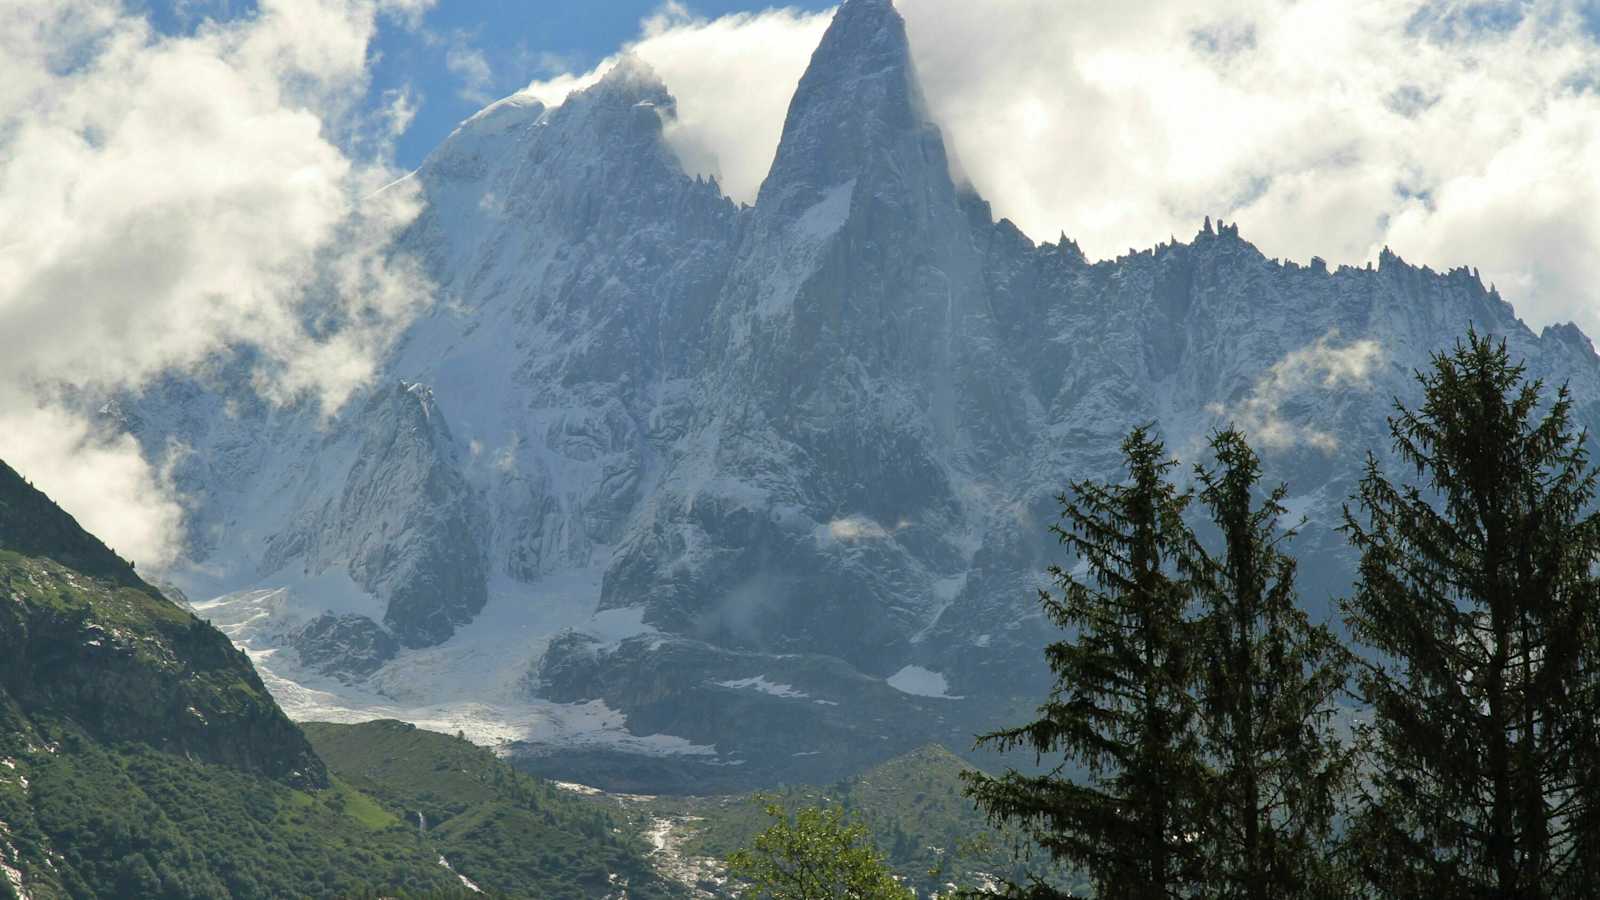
(857, 113)
(763, 462)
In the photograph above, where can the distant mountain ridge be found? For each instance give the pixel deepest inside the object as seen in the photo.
(673, 491)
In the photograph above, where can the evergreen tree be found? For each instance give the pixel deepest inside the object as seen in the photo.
(1477, 590)
(1267, 688)
(1122, 705)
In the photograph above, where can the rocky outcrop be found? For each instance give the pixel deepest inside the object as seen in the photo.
(348, 647)
(404, 525)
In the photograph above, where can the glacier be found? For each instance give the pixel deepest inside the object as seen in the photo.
(668, 492)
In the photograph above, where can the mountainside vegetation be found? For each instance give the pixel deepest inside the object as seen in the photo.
(507, 832)
(1205, 738)
(911, 807)
(141, 756)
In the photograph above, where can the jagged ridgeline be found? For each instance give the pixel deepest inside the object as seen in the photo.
(684, 494)
(141, 756)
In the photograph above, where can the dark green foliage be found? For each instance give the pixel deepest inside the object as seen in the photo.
(814, 855)
(1267, 688)
(100, 647)
(1477, 589)
(1122, 705)
(507, 831)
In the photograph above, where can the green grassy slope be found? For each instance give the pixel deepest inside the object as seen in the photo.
(505, 830)
(140, 754)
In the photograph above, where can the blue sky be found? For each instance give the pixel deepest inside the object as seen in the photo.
(215, 178)
(520, 41)
(1454, 131)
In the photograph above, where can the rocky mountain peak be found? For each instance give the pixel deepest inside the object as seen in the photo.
(858, 113)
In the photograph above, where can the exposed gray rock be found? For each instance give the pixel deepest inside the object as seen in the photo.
(815, 442)
(347, 647)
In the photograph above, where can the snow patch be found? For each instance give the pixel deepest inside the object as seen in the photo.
(760, 683)
(860, 528)
(1299, 509)
(829, 214)
(474, 683)
(465, 881)
(921, 682)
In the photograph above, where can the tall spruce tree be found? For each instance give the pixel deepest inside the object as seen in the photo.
(1268, 686)
(1122, 705)
(1477, 590)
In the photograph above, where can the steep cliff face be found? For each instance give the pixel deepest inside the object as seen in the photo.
(828, 408)
(811, 443)
(405, 526)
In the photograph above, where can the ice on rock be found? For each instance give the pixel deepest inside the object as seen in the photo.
(655, 466)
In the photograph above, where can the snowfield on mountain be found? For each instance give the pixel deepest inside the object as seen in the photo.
(665, 490)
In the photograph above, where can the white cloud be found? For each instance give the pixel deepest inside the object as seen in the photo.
(860, 528)
(1323, 366)
(732, 77)
(1323, 127)
(470, 65)
(126, 501)
(554, 91)
(166, 199)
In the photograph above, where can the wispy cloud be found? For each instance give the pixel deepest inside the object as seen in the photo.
(1324, 366)
(471, 66)
(1323, 128)
(167, 199)
(733, 78)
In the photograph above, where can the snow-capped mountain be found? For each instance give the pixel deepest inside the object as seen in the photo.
(763, 491)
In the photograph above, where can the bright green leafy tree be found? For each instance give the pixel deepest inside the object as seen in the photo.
(815, 855)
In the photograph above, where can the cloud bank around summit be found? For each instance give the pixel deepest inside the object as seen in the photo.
(167, 199)
(1457, 133)
(733, 78)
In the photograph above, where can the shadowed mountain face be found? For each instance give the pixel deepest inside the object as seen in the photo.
(770, 483)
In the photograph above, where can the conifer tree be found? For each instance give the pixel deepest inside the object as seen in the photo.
(1477, 590)
(1122, 706)
(1268, 684)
